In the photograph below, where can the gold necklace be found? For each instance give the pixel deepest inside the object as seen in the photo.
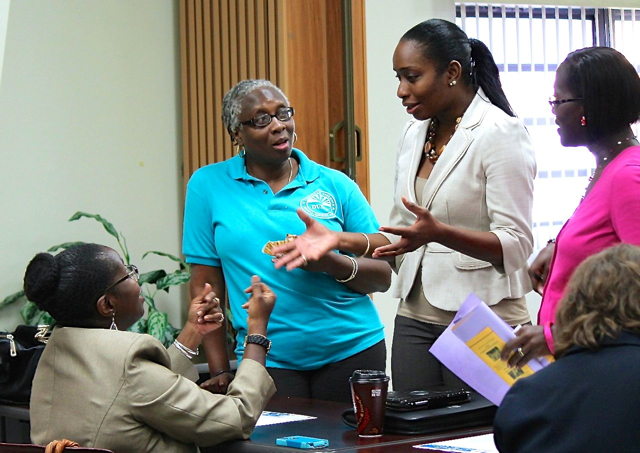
(290, 171)
(430, 146)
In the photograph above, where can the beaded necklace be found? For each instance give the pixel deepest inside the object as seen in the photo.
(430, 146)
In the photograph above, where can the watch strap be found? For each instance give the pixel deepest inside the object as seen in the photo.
(259, 340)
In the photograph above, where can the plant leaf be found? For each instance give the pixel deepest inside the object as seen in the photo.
(183, 265)
(105, 223)
(140, 326)
(151, 277)
(29, 311)
(63, 246)
(157, 324)
(44, 318)
(150, 302)
(174, 279)
(12, 299)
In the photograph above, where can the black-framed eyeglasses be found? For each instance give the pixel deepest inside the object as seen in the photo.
(264, 119)
(553, 102)
(132, 272)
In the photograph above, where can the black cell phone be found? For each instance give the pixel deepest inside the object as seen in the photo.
(426, 399)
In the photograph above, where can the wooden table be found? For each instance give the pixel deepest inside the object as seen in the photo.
(329, 425)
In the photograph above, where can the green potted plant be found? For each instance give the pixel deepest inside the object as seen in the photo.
(155, 323)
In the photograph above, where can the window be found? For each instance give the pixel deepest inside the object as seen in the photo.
(528, 43)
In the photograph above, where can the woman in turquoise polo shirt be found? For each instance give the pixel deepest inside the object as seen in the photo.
(325, 325)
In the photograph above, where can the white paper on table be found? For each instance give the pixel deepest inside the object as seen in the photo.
(275, 418)
(451, 350)
(475, 444)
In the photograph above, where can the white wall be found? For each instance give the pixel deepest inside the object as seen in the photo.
(89, 120)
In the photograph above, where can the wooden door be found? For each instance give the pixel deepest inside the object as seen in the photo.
(298, 45)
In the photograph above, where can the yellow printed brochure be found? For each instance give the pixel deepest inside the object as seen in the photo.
(471, 347)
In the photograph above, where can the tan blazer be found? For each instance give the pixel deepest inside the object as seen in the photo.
(125, 392)
(483, 181)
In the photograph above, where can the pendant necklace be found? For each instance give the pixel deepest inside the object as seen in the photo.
(595, 174)
(430, 146)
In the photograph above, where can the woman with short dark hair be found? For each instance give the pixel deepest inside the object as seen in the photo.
(325, 325)
(588, 399)
(104, 387)
(596, 99)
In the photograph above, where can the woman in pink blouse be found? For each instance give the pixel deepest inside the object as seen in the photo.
(596, 99)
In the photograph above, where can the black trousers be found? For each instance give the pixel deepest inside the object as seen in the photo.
(331, 382)
(413, 367)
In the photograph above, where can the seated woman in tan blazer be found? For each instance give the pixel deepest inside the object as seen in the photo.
(104, 387)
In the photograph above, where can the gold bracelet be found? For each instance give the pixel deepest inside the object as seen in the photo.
(368, 245)
(354, 271)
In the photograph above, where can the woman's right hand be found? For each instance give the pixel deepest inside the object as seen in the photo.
(312, 245)
(539, 269)
(260, 305)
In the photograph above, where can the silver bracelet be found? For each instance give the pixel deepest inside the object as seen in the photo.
(354, 271)
(368, 246)
(188, 353)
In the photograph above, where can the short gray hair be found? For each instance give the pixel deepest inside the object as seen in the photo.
(231, 103)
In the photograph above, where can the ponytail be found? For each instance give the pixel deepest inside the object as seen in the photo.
(485, 74)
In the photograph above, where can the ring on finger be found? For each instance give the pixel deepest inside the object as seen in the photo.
(520, 352)
(304, 259)
(221, 317)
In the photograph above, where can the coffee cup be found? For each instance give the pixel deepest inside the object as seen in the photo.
(369, 394)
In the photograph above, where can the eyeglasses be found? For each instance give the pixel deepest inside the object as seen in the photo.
(132, 272)
(553, 102)
(264, 119)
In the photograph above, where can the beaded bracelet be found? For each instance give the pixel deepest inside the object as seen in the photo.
(354, 271)
(368, 246)
(548, 337)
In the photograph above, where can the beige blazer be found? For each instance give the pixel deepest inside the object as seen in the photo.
(483, 181)
(125, 392)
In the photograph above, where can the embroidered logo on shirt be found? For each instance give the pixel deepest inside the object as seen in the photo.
(320, 204)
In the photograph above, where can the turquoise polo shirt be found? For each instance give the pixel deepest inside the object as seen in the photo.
(230, 216)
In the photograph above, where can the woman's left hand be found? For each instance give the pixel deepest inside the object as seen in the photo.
(528, 344)
(205, 313)
(424, 230)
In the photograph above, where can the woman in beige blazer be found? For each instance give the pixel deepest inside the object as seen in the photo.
(461, 220)
(104, 387)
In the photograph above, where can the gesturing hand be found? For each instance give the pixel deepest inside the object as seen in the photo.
(261, 303)
(424, 230)
(205, 313)
(312, 245)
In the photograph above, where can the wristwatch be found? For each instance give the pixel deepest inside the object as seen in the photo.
(258, 339)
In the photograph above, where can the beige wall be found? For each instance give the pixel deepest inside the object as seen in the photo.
(89, 120)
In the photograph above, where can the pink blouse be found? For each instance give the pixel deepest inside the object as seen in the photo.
(609, 215)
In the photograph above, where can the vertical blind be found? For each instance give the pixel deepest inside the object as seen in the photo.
(528, 43)
(222, 42)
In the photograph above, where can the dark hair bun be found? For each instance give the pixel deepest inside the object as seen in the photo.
(41, 279)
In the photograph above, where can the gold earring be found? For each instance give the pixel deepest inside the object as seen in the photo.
(295, 138)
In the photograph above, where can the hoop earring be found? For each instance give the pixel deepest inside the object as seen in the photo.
(241, 151)
(583, 121)
(295, 138)
(113, 325)
(452, 83)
